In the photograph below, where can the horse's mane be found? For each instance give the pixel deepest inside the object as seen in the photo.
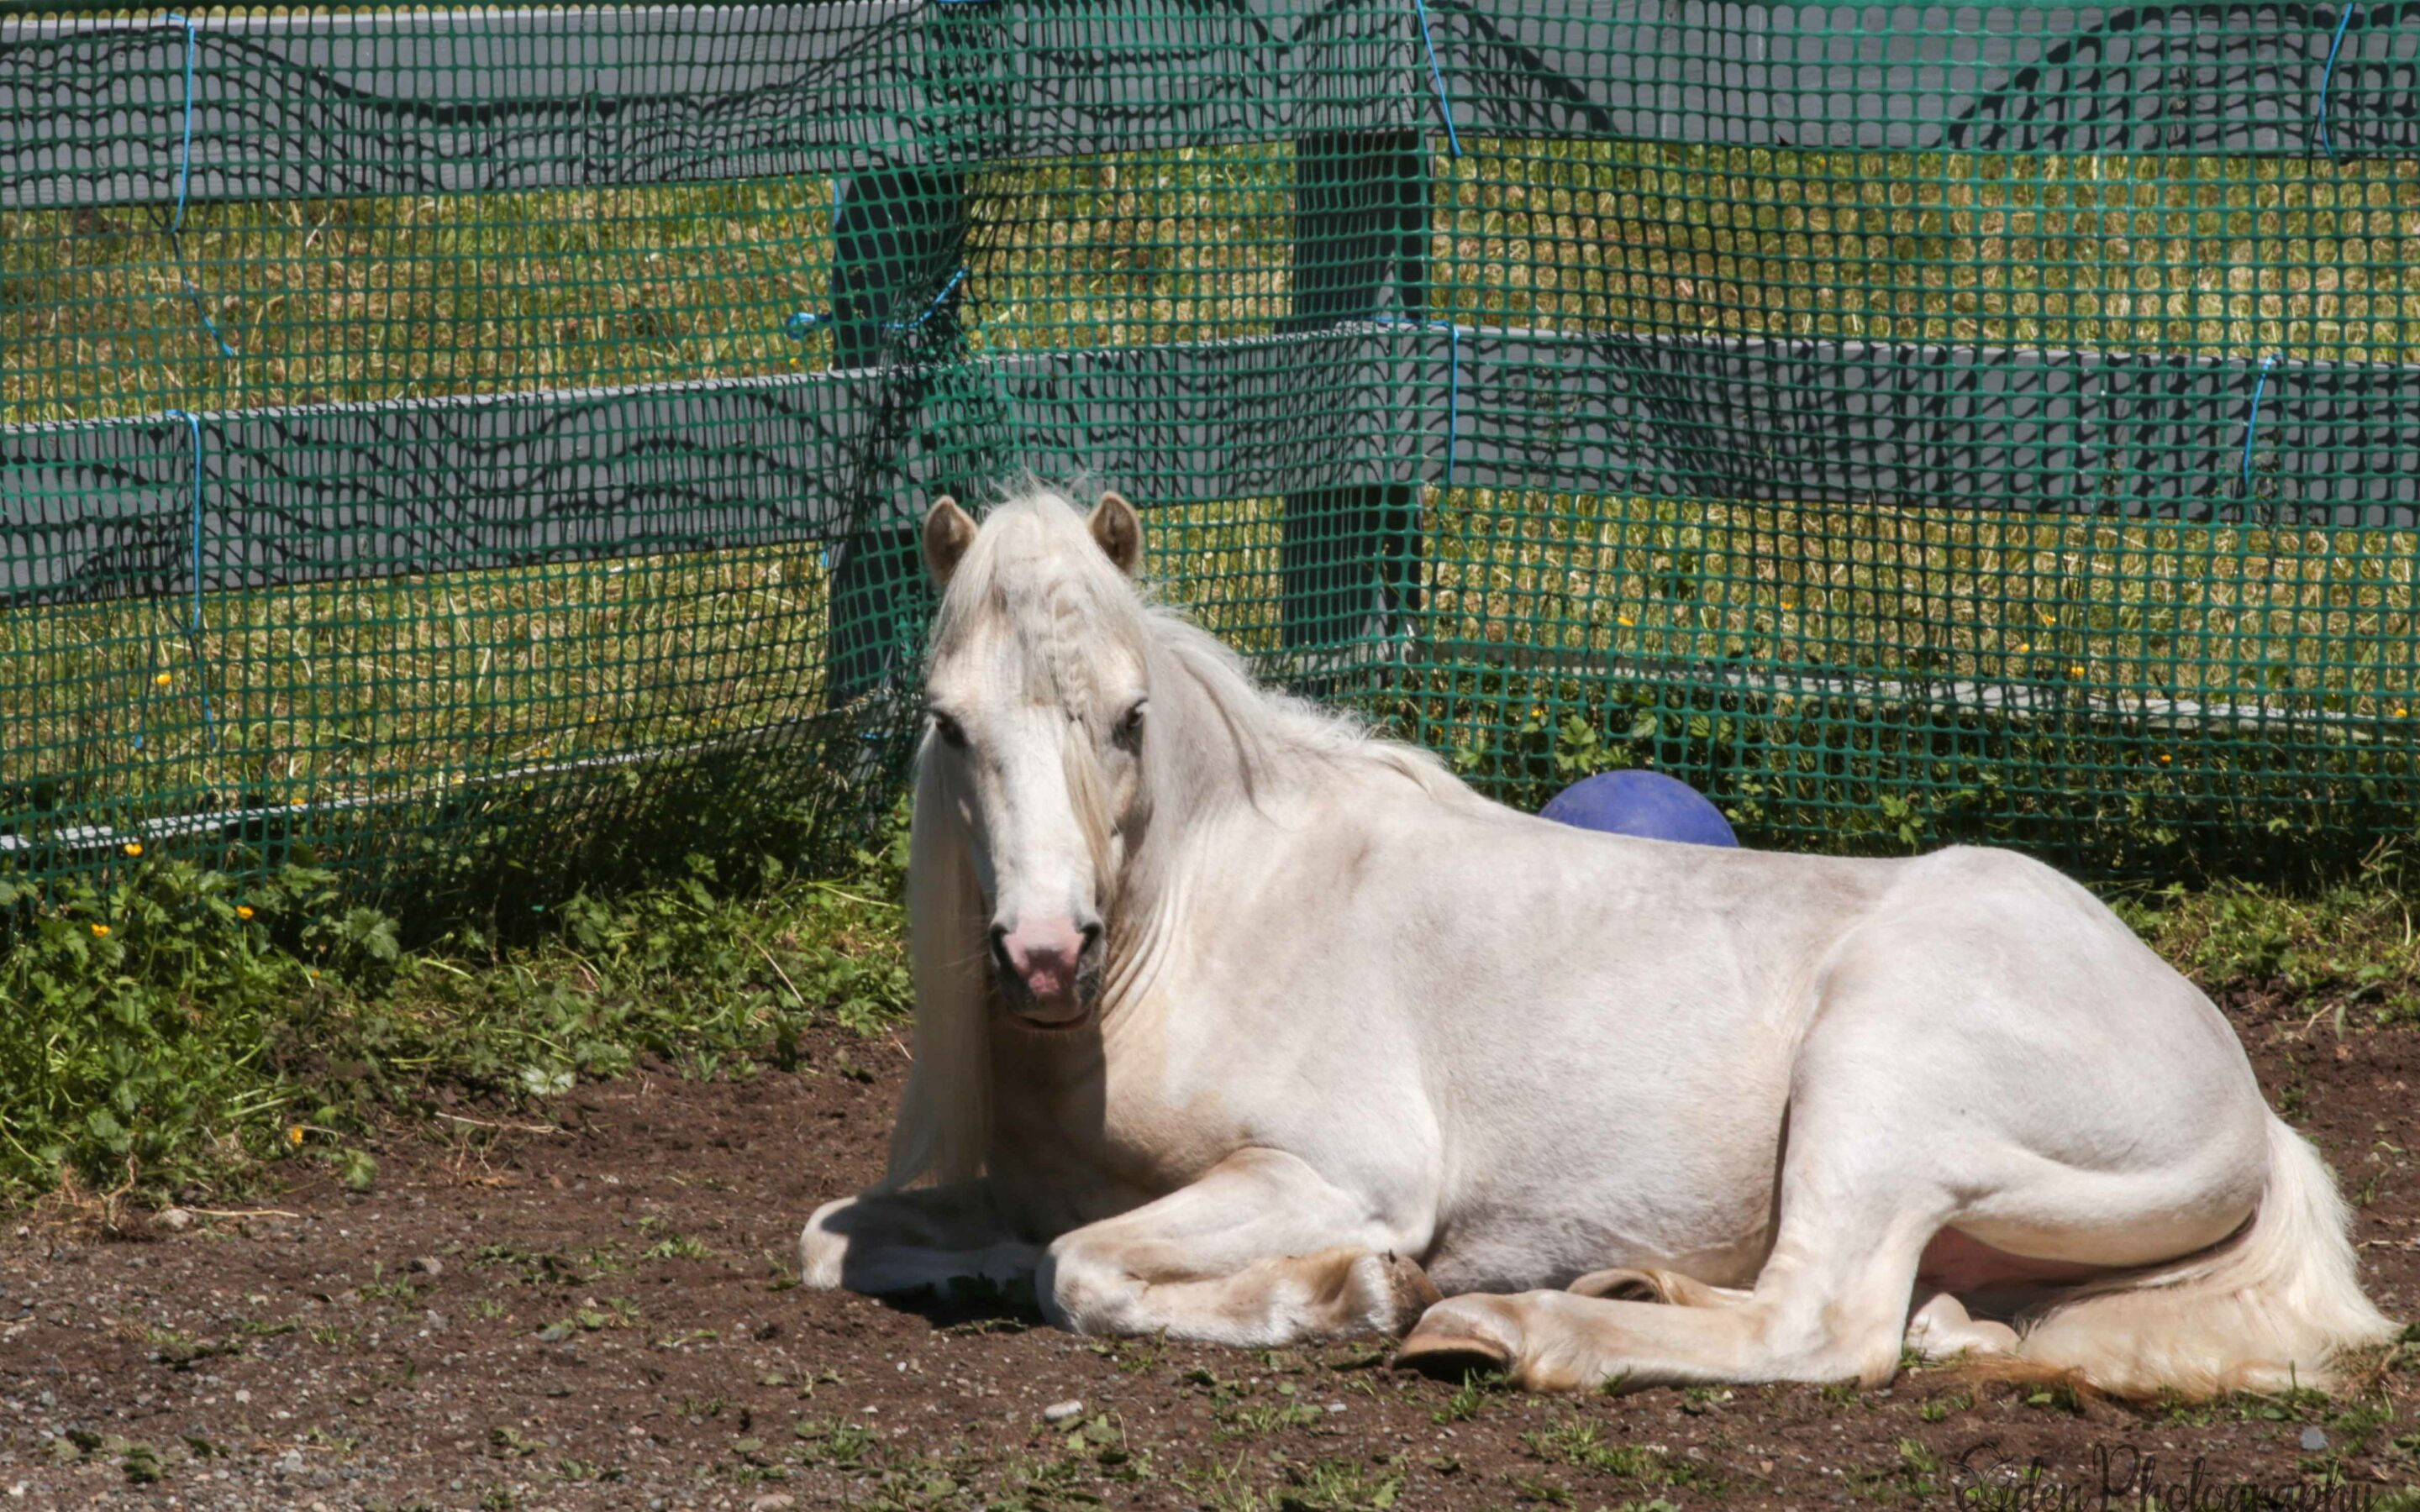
(1034, 563)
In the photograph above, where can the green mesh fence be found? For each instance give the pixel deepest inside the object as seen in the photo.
(475, 446)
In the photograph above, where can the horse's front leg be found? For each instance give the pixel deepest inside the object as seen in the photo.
(1260, 1251)
(896, 1241)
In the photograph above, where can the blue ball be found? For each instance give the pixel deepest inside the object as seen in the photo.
(1647, 804)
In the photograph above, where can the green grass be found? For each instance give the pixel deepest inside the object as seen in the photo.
(2133, 699)
(2235, 257)
(346, 301)
(370, 298)
(1580, 1445)
(353, 691)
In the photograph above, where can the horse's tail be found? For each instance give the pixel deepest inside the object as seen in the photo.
(2276, 1306)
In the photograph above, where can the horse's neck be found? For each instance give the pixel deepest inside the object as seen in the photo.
(1219, 812)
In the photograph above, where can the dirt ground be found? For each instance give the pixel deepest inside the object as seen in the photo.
(600, 1314)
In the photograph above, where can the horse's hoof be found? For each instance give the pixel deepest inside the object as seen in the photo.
(1619, 1286)
(1943, 1330)
(1458, 1338)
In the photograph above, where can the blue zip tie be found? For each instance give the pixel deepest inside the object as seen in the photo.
(185, 178)
(1453, 397)
(2252, 426)
(2327, 79)
(1436, 78)
(1453, 381)
(956, 279)
(185, 157)
(201, 670)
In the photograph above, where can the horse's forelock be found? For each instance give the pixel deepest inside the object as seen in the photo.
(1036, 580)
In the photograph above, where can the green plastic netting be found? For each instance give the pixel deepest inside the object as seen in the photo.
(473, 445)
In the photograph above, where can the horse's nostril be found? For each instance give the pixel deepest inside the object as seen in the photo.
(1091, 932)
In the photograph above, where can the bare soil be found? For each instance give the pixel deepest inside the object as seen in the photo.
(598, 1312)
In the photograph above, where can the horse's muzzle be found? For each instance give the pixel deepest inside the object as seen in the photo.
(1048, 972)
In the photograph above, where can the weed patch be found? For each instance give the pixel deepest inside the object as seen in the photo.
(1580, 1445)
(181, 1032)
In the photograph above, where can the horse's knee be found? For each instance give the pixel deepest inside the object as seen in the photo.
(1833, 1338)
(1082, 1289)
(823, 1249)
(1093, 1287)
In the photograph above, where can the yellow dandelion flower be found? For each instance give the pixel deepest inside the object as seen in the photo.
(294, 1136)
(164, 680)
(2076, 670)
(243, 910)
(100, 932)
(2165, 758)
(2399, 710)
(2024, 646)
(133, 847)
(1625, 621)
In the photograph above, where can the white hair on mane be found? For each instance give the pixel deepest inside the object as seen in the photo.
(1035, 566)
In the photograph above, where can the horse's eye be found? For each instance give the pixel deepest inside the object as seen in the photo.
(1129, 730)
(952, 733)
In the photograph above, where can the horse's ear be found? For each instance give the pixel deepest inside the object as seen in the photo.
(1119, 531)
(948, 532)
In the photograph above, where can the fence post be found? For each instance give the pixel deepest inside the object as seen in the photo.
(1349, 558)
(899, 235)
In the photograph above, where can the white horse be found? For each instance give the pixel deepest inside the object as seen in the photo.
(1237, 1024)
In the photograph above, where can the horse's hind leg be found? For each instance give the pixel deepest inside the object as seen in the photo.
(1938, 1324)
(1859, 1199)
(1831, 1303)
(1906, 1117)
